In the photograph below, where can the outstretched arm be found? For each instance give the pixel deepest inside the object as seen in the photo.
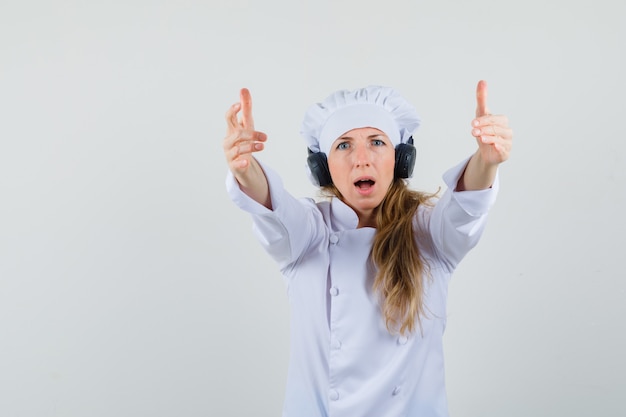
(494, 138)
(240, 142)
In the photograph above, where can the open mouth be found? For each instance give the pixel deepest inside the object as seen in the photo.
(364, 184)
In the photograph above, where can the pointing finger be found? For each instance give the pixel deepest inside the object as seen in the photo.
(481, 99)
(246, 109)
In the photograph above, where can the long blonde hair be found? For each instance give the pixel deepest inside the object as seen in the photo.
(401, 268)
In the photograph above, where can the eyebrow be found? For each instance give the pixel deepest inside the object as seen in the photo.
(369, 137)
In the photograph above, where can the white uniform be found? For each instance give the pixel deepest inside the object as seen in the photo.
(344, 362)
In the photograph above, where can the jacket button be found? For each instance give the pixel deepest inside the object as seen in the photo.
(334, 239)
(335, 344)
(334, 291)
(333, 395)
(402, 340)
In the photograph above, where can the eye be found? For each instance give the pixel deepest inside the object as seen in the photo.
(343, 145)
(378, 142)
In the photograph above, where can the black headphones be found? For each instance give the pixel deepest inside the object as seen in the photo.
(405, 162)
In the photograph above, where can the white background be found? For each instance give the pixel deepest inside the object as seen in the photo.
(131, 286)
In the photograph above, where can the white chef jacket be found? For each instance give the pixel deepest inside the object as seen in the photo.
(343, 361)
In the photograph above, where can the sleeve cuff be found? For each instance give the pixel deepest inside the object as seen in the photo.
(475, 202)
(244, 202)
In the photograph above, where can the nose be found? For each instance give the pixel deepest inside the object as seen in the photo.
(362, 157)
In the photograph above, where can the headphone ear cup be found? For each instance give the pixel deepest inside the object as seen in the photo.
(405, 160)
(318, 165)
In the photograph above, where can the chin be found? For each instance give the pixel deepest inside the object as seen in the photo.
(365, 205)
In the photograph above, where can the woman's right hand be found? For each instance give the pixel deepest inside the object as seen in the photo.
(240, 142)
(241, 139)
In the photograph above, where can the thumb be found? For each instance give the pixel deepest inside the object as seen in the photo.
(481, 99)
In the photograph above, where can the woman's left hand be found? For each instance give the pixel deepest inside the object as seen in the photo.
(492, 132)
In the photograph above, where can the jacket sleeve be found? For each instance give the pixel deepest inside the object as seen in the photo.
(286, 231)
(458, 219)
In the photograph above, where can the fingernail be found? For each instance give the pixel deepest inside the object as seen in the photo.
(476, 132)
(476, 123)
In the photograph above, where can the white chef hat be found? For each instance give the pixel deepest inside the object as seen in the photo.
(373, 106)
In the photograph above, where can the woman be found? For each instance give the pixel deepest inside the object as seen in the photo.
(367, 270)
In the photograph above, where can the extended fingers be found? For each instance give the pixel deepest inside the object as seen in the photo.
(241, 139)
(245, 106)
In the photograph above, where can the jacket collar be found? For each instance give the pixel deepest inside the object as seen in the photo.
(342, 215)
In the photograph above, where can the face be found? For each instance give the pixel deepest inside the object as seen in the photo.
(361, 164)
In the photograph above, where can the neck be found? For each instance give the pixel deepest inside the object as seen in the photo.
(367, 219)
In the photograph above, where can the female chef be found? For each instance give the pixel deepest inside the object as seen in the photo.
(366, 270)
